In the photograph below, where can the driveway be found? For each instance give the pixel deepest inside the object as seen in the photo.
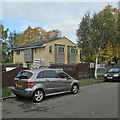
(92, 101)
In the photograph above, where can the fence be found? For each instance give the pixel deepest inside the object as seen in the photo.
(8, 77)
(78, 71)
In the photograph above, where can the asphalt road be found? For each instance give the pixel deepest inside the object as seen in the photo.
(92, 101)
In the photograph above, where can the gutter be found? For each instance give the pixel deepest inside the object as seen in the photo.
(29, 47)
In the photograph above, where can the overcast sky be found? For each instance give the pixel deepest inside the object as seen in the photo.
(64, 16)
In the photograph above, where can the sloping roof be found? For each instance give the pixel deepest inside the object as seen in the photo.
(35, 44)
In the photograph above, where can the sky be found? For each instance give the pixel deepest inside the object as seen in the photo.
(64, 16)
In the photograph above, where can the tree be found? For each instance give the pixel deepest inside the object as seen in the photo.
(36, 34)
(8, 41)
(102, 30)
(5, 50)
(83, 35)
(13, 39)
(106, 53)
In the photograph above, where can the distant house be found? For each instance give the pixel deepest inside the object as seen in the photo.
(46, 52)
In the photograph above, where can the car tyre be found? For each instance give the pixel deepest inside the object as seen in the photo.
(74, 89)
(18, 96)
(38, 95)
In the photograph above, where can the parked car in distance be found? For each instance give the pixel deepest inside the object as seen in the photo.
(112, 74)
(39, 83)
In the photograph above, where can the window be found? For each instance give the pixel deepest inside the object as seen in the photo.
(61, 49)
(24, 75)
(40, 75)
(35, 50)
(73, 51)
(29, 51)
(114, 70)
(73, 62)
(60, 62)
(62, 75)
(50, 63)
(47, 74)
(18, 62)
(18, 52)
(50, 49)
(26, 52)
(77, 51)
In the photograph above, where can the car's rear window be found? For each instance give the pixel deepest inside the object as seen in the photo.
(114, 70)
(24, 75)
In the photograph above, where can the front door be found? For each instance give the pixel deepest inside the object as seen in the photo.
(50, 81)
(65, 81)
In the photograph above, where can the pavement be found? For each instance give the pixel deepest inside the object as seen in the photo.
(92, 101)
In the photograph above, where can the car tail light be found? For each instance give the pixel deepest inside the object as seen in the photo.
(28, 84)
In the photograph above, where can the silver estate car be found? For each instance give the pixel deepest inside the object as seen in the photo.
(39, 83)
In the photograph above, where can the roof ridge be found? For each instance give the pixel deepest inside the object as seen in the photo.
(41, 42)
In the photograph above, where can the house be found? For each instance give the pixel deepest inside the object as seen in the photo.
(46, 52)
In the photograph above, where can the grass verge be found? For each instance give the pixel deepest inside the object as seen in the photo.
(89, 81)
(5, 92)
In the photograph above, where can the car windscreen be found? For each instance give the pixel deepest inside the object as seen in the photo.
(114, 70)
(24, 75)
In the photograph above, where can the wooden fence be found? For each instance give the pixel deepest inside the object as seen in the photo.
(78, 71)
(8, 77)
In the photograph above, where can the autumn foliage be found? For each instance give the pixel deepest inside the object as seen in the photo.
(36, 34)
(100, 34)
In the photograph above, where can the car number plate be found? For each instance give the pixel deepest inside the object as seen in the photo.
(18, 85)
(110, 77)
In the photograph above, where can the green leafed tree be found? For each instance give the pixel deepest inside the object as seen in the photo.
(84, 38)
(102, 29)
(8, 40)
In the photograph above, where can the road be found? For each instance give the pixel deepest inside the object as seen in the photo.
(92, 101)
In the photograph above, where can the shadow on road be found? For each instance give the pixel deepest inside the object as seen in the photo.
(27, 104)
(29, 100)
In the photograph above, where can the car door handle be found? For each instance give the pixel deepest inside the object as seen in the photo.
(46, 80)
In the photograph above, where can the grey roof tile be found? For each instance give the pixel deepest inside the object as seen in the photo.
(35, 44)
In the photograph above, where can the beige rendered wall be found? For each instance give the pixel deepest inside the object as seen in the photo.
(63, 41)
(19, 58)
(43, 53)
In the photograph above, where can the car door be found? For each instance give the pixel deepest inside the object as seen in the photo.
(50, 81)
(65, 81)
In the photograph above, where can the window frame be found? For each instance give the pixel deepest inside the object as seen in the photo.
(30, 74)
(43, 73)
(18, 52)
(50, 63)
(50, 49)
(76, 51)
(26, 51)
(61, 49)
(35, 50)
(73, 50)
(40, 73)
(64, 74)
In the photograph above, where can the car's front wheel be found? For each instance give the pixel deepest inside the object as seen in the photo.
(38, 95)
(74, 89)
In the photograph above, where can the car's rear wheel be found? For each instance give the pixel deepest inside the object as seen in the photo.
(74, 89)
(38, 95)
